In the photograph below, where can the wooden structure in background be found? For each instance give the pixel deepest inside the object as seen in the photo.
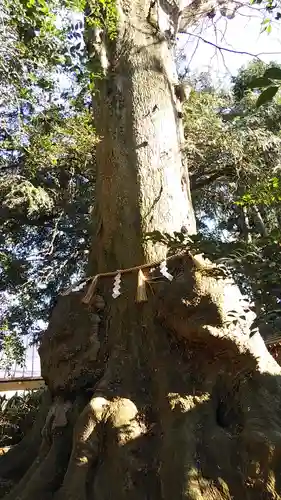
(21, 384)
(23, 377)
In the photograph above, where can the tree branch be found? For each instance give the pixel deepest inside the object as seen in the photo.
(20, 218)
(246, 230)
(195, 11)
(259, 221)
(233, 51)
(201, 183)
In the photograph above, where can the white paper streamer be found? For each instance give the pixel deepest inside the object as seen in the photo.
(116, 286)
(164, 271)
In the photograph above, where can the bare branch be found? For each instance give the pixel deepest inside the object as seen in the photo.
(196, 46)
(233, 51)
(205, 181)
(224, 62)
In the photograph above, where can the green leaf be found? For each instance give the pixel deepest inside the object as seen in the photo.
(259, 82)
(275, 182)
(274, 73)
(267, 95)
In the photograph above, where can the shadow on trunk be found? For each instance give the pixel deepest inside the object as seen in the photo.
(176, 402)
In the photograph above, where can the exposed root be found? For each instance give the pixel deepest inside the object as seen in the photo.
(19, 488)
(85, 450)
(57, 417)
(101, 423)
(15, 463)
(47, 471)
(180, 421)
(185, 406)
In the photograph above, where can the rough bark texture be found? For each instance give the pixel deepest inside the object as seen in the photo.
(142, 181)
(168, 399)
(15, 463)
(178, 404)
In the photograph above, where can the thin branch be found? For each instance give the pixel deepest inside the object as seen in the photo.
(223, 33)
(220, 51)
(233, 51)
(193, 53)
(206, 181)
(246, 230)
(259, 221)
(55, 232)
(197, 43)
(224, 62)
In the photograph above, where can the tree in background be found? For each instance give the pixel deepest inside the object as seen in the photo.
(234, 151)
(47, 153)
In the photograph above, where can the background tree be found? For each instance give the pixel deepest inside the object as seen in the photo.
(47, 152)
(234, 151)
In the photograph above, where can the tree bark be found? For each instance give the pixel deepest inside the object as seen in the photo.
(245, 225)
(260, 225)
(142, 182)
(168, 398)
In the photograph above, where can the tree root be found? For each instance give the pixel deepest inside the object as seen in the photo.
(20, 487)
(14, 463)
(101, 422)
(185, 408)
(47, 470)
(85, 450)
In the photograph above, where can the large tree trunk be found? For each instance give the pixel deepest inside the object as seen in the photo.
(169, 398)
(142, 180)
